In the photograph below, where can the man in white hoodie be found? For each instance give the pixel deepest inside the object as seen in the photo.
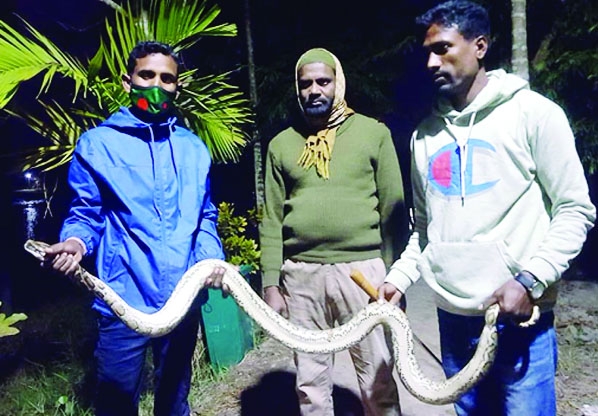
(501, 208)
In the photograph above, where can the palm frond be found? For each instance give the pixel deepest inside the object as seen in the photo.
(224, 144)
(216, 111)
(47, 158)
(24, 58)
(122, 37)
(180, 23)
(182, 26)
(110, 94)
(210, 106)
(112, 4)
(60, 128)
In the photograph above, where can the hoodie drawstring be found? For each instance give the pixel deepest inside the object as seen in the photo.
(174, 165)
(463, 149)
(155, 161)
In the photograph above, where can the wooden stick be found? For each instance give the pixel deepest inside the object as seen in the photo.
(363, 283)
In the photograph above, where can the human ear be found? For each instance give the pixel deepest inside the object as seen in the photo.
(126, 81)
(481, 44)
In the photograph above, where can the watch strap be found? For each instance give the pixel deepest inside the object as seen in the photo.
(535, 288)
(526, 279)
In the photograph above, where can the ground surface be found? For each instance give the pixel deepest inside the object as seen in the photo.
(263, 383)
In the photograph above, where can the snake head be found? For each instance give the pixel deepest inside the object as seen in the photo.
(37, 249)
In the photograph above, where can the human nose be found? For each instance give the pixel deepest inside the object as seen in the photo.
(434, 61)
(314, 89)
(155, 81)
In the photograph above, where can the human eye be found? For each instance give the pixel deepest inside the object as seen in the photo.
(168, 78)
(322, 82)
(303, 84)
(145, 74)
(440, 48)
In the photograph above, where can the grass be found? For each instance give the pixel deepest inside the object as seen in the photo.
(47, 369)
(43, 392)
(204, 376)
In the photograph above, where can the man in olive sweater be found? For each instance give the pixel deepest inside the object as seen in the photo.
(334, 203)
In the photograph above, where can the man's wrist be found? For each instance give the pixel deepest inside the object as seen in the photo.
(535, 288)
(80, 243)
(272, 288)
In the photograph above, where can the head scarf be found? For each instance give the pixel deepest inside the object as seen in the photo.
(318, 147)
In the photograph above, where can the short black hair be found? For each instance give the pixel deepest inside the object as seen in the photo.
(469, 18)
(147, 47)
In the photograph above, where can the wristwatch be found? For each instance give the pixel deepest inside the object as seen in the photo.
(534, 287)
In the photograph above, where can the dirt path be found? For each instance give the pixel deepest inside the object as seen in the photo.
(263, 384)
(577, 328)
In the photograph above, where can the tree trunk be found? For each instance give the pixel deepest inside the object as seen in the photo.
(519, 58)
(255, 136)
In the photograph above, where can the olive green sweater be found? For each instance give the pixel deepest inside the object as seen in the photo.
(357, 214)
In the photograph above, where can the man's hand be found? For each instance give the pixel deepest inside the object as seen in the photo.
(513, 300)
(390, 293)
(274, 298)
(214, 280)
(64, 257)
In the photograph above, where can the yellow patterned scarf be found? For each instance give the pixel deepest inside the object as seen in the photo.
(318, 147)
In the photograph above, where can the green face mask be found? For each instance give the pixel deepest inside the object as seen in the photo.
(154, 100)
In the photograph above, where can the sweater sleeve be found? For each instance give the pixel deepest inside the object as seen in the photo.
(404, 271)
(561, 175)
(271, 225)
(391, 201)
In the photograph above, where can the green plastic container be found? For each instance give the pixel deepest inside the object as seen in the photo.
(228, 330)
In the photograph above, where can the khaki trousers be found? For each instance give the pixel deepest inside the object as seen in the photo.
(318, 296)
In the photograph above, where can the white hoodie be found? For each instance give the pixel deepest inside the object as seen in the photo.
(498, 188)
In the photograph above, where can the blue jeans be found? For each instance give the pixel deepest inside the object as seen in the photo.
(121, 356)
(521, 382)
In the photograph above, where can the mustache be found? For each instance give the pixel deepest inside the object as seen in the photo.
(441, 74)
(317, 101)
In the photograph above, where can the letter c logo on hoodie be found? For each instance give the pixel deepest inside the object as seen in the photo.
(479, 174)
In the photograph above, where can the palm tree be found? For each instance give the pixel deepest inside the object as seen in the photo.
(255, 134)
(209, 105)
(519, 58)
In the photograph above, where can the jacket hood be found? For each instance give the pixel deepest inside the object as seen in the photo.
(500, 88)
(124, 120)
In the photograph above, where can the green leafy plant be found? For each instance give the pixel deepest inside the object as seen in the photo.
(238, 247)
(64, 405)
(7, 322)
(208, 104)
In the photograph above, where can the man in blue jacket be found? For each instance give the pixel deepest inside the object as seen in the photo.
(142, 206)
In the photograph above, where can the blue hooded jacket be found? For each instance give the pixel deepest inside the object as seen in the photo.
(142, 205)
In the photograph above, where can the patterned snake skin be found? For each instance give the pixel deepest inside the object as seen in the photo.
(295, 337)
